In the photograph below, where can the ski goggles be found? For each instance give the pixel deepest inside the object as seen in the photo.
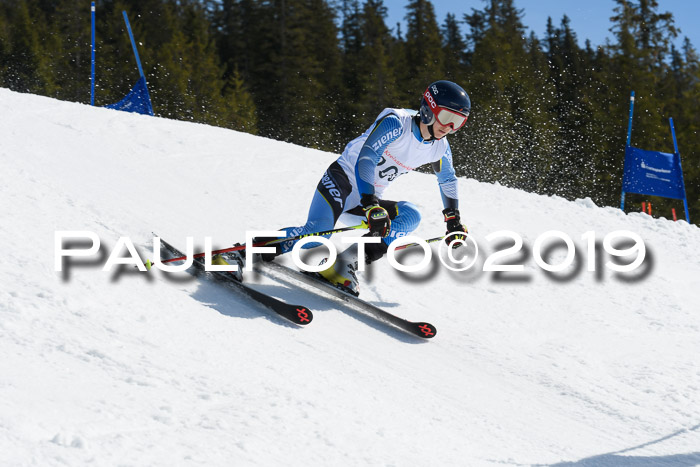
(445, 116)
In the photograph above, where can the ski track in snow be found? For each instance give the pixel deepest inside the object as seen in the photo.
(128, 368)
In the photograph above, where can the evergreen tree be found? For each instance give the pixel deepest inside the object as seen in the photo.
(297, 83)
(572, 171)
(239, 35)
(683, 84)
(636, 62)
(204, 83)
(424, 53)
(655, 32)
(240, 108)
(547, 116)
(179, 58)
(454, 47)
(351, 114)
(116, 68)
(5, 48)
(513, 129)
(689, 127)
(477, 24)
(25, 68)
(375, 72)
(68, 45)
(399, 62)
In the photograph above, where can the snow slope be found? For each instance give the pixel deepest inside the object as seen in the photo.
(124, 368)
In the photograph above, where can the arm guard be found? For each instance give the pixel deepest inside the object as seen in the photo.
(447, 180)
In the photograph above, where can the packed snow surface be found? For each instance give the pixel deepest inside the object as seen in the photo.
(122, 367)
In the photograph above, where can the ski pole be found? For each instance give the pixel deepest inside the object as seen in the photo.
(430, 240)
(363, 225)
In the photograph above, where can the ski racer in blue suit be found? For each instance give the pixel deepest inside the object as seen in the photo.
(397, 142)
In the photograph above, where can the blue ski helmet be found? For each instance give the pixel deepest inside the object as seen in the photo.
(447, 103)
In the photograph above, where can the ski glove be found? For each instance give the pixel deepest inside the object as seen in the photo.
(377, 218)
(455, 227)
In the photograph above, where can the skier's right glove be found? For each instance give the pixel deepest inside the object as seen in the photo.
(454, 227)
(377, 218)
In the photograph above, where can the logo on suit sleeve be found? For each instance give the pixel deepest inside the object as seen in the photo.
(393, 134)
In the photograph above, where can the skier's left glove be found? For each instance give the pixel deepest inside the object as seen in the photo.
(455, 227)
(378, 219)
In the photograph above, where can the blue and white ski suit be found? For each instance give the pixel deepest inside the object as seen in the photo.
(391, 146)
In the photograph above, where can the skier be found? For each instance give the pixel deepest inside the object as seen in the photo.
(399, 141)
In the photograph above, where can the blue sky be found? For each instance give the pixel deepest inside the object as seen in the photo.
(589, 18)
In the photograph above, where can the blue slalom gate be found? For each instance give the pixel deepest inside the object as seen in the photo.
(653, 172)
(138, 100)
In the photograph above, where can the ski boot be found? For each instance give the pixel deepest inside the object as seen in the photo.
(229, 259)
(342, 273)
(267, 257)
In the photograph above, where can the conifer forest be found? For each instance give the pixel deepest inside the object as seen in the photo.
(549, 114)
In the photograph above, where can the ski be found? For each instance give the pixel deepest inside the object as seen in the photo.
(297, 314)
(421, 329)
